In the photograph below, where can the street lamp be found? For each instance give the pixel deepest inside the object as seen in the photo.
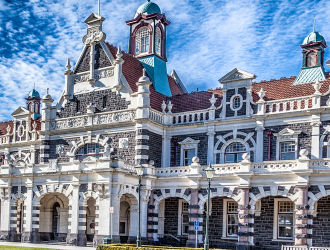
(209, 174)
(139, 171)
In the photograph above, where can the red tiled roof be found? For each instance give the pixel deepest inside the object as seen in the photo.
(175, 90)
(4, 125)
(284, 88)
(132, 70)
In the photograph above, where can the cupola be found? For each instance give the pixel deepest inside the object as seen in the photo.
(313, 53)
(33, 103)
(147, 42)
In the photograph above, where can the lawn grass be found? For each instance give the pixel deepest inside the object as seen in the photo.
(27, 248)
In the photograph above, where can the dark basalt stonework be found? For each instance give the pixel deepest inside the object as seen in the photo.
(321, 223)
(171, 216)
(113, 102)
(83, 65)
(101, 58)
(304, 140)
(155, 148)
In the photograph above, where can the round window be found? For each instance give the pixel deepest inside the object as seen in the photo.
(237, 102)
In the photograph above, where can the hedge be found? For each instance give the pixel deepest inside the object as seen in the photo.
(145, 247)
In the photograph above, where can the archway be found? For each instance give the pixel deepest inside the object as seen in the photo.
(128, 219)
(90, 219)
(53, 221)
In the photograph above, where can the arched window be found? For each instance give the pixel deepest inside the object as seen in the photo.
(311, 59)
(31, 107)
(234, 152)
(92, 149)
(142, 41)
(158, 41)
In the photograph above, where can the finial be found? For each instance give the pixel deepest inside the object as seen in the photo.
(47, 91)
(144, 72)
(99, 7)
(119, 54)
(314, 26)
(68, 65)
(34, 86)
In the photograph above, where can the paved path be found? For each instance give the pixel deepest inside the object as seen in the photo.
(53, 246)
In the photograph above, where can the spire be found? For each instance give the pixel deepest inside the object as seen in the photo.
(68, 65)
(314, 26)
(99, 7)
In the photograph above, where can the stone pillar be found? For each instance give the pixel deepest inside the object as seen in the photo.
(151, 223)
(210, 147)
(144, 220)
(260, 142)
(193, 216)
(315, 147)
(166, 152)
(5, 214)
(301, 234)
(72, 237)
(243, 220)
(134, 224)
(82, 238)
(27, 234)
(35, 223)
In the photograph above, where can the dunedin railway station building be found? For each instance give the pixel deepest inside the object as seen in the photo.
(63, 165)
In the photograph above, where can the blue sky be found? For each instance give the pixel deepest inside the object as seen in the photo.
(206, 39)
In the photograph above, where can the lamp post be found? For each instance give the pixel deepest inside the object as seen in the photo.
(209, 174)
(139, 171)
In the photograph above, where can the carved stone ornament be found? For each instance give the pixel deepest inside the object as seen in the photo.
(52, 165)
(244, 207)
(261, 94)
(8, 130)
(302, 207)
(93, 36)
(60, 149)
(97, 75)
(123, 143)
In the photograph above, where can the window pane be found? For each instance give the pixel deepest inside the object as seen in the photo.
(232, 207)
(232, 227)
(235, 147)
(288, 156)
(285, 220)
(285, 207)
(142, 40)
(237, 102)
(286, 232)
(230, 158)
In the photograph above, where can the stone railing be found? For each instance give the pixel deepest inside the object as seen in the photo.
(173, 171)
(190, 117)
(274, 166)
(156, 116)
(320, 164)
(4, 139)
(94, 119)
(289, 105)
(224, 168)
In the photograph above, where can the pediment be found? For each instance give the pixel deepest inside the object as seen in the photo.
(20, 111)
(287, 132)
(94, 18)
(237, 75)
(90, 158)
(189, 140)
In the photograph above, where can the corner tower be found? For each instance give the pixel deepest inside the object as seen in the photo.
(147, 42)
(33, 103)
(313, 53)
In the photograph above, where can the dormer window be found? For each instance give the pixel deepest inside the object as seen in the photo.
(237, 102)
(142, 41)
(158, 41)
(311, 59)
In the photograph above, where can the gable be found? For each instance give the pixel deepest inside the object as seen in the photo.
(20, 111)
(84, 60)
(237, 75)
(101, 58)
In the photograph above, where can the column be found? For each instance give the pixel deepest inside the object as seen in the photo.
(210, 145)
(72, 237)
(5, 214)
(166, 152)
(82, 238)
(144, 218)
(151, 220)
(35, 223)
(134, 223)
(243, 219)
(315, 147)
(260, 142)
(28, 217)
(224, 102)
(301, 234)
(193, 216)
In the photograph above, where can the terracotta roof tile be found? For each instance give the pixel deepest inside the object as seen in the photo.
(4, 125)
(175, 90)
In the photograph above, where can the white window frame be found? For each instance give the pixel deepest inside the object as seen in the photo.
(275, 221)
(286, 135)
(180, 213)
(138, 38)
(232, 103)
(187, 144)
(225, 220)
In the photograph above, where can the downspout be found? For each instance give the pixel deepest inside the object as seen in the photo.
(175, 143)
(269, 133)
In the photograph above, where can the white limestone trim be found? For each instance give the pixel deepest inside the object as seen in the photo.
(172, 193)
(248, 137)
(188, 143)
(323, 143)
(241, 101)
(142, 147)
(312, 201)
(275, 220)
(286, 135)
(142, 137)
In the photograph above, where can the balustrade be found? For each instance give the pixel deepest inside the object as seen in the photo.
(289, 105)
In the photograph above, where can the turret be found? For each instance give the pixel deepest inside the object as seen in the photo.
(33, 103)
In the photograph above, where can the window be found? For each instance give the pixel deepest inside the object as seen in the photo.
(104, 102)
(285, 219)
(288, 150)
(232, 218)
(78, 106)
(183, 218)
(188, 155)
(237, 102)
(234, 152)
(311, 59)
(142, 41)
(158, 41)
(88, 150)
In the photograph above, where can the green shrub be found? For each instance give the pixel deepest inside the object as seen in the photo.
(144, 247)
